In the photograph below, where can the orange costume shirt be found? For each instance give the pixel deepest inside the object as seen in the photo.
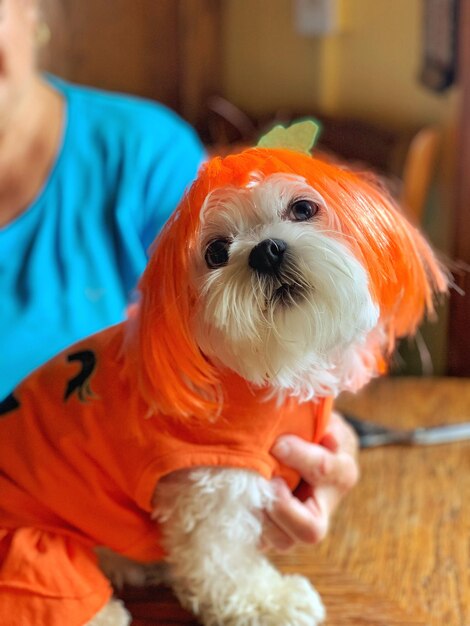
(79, 461)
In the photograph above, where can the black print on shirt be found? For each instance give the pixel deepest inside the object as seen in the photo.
(81, 382)
(9, 404)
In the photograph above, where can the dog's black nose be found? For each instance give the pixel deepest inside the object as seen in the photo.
(266, 257)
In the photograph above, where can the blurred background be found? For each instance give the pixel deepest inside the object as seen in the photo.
(385, 78)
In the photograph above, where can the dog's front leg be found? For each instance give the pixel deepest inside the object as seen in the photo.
(211, 523)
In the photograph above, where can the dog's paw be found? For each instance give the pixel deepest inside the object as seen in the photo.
(276, 601)
(122, 571)
(139, 575)
(293, 602)
(297, 603)
(112, 614)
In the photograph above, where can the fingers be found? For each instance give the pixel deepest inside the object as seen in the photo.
(274, 536)
(316, 464)
(340, 436)
(328, 471)
(290, 521)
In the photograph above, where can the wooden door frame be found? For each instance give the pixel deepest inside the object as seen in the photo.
(459, 318)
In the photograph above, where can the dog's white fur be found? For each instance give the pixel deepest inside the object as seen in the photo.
(307, 347)
(112, 614)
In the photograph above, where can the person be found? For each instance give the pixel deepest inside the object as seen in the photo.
(87, 179)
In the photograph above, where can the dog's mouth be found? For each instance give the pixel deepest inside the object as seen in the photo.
(287, 294)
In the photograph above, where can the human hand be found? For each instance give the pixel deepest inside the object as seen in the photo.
(329, 470)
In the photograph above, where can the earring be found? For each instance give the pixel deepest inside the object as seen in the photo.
(43, 34)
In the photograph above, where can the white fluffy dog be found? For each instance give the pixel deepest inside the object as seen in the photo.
(279, 282)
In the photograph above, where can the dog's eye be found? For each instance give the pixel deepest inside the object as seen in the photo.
(302, 210)
(217, 253)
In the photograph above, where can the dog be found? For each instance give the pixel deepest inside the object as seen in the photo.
(280, 281)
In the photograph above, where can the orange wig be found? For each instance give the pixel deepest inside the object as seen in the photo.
(173, 375)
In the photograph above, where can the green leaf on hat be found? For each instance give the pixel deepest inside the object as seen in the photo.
(299, 136)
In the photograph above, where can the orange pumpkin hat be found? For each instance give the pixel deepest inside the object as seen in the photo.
(173, 375)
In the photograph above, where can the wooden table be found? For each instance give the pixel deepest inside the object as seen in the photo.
(398, 552)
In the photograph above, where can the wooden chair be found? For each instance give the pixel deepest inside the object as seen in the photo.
(418, 171)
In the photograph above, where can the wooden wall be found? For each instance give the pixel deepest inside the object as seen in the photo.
(167, 50)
